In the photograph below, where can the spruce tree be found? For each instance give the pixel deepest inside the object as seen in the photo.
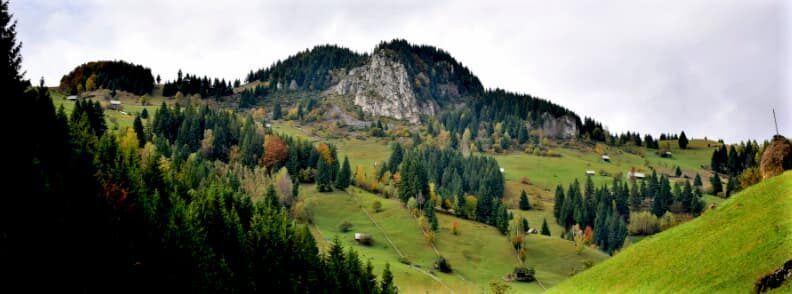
(683, 141)
(324, 175)
(697, 181)
(525, 225)
(277, 113)
(395, 157)
(344, 175)
(559, 203)
(545, 228)
(386, 285)
(678, 172)
(717, 186)
(137, 125)
(524, 204)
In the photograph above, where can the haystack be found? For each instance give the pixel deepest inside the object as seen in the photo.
(776, 158)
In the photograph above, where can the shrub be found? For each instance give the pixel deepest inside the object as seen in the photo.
(376, 206)
(455, 228)
(524, 274)
(643, 223)
(344, 227)
(442, 265)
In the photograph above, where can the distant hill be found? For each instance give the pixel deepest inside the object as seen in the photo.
(118, 75)
(725, 250)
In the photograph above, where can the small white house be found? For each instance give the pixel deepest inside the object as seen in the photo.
(590, 173)
(606, 158)
(636, 175)
(115, 104)
(502, 170)
(71, 97)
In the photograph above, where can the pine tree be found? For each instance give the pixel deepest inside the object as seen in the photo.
(559, 203)
(697, 181)
(678, 172)
(271, 198)
(386, 285)
(395, 158)
(683, 141)
(137, 125)
(717, 186)
(545, 228)
(501, 218)
(635, 198)
(344, 175)
(324, 175)
(277, 113)
(524, 204)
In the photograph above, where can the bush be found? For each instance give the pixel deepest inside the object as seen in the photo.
(344, 227)
(524, 274)
(442, 265)
(643, 223)
(376, 206)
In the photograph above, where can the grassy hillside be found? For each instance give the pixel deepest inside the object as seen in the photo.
(479, 254)
(727, 249)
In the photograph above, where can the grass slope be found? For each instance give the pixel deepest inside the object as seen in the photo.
(725, 250)
(479, 254)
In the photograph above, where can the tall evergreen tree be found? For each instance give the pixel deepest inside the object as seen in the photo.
(137, 125)
(524, 204)
(395, 157)
(344, 175)
(683, 140)
(545, 228)
(277, 113)
(697, 181)
(717, 186)
(324, 175)
(386, 285)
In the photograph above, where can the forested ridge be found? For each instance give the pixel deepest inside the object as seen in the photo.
(113, 75)
(187, 205)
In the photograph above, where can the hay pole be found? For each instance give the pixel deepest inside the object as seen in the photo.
(775, 122)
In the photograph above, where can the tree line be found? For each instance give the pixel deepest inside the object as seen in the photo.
(434, 177)
(607, 209)
(309, 69)
(192, 84)
(113, 75)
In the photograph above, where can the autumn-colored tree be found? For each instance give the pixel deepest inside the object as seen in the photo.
(324, 150)
(275, 152)
(455, 228)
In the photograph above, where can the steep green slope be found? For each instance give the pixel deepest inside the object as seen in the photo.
(728, 249)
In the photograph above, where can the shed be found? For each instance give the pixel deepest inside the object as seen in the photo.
(115, 104)
(636, 175)
(363, 238)
(502, 170)
(666, 154)
(606, 158)
(590, 173)
(71, 97)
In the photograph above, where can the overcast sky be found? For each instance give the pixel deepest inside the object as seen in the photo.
(711, 68)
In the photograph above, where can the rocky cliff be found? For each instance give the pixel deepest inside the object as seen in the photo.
(562, 127)
(383, 87)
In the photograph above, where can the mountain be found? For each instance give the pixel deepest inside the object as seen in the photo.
(410, 82)
(746, 238)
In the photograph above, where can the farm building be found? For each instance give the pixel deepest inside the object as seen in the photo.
(363, 238)
(666, 154)
(71, 97)
(636, 175)
(606, 158)
(590, 173)
(115, 104)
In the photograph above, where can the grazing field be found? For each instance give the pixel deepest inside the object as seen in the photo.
(745, 238)
(479, 254)
(114, 119)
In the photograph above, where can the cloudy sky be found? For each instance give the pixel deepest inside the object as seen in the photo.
(712, 68)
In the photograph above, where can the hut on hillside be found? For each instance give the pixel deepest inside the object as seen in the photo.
(606, 158)
(363, 238)
(115, 104)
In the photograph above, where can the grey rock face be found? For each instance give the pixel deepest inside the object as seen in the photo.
(562, 127)
(383, 87)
